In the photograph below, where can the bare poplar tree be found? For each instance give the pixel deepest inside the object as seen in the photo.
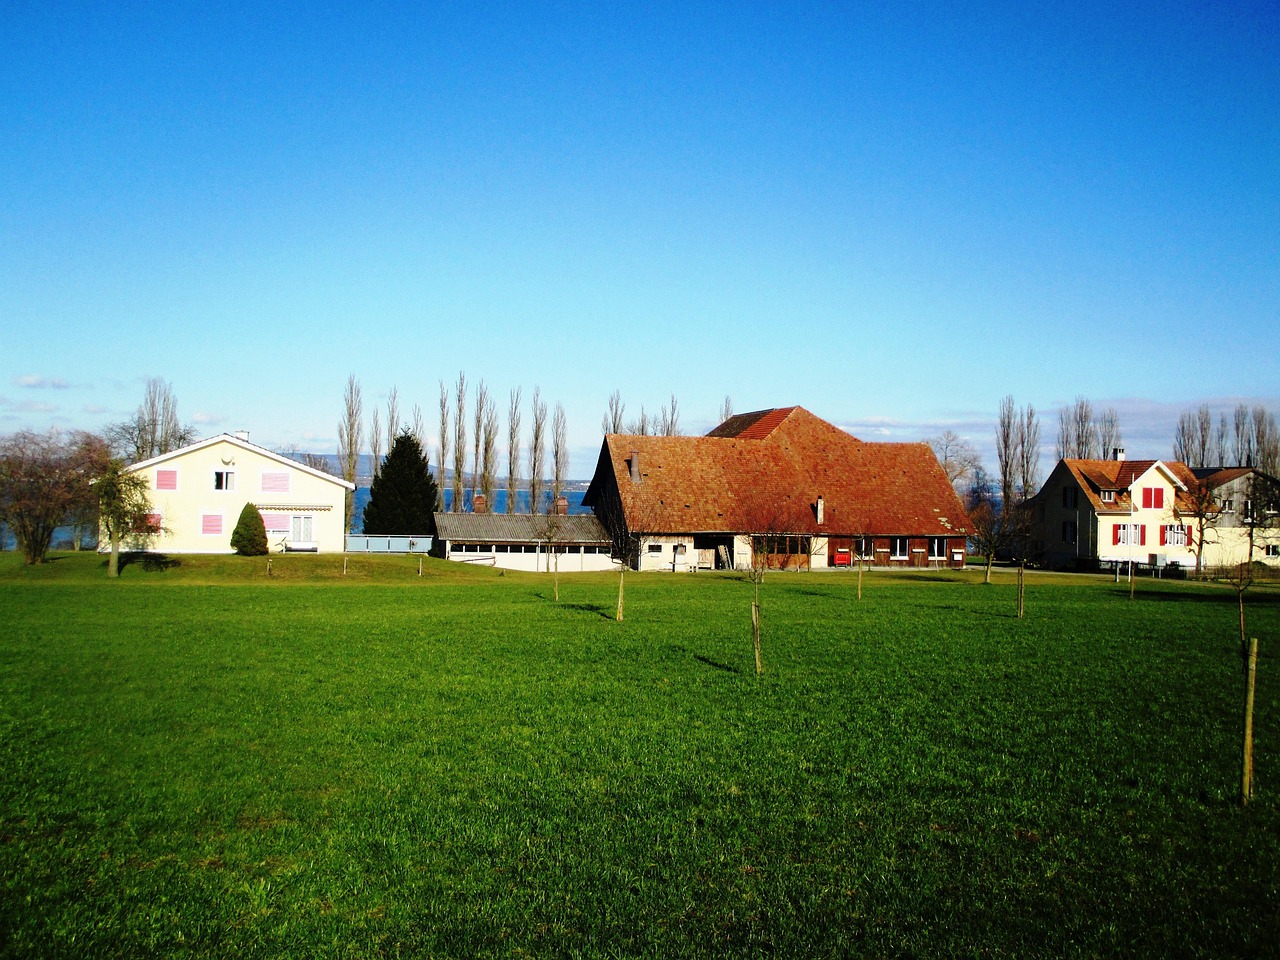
(482, 401)
(350, 440)
(1029, 450)
(154, 427)
(375, 443)
(393, 416)
(612, 422)
(443, 458)
(726, 408)
(489, 450)
(559, 453)
(1220, 441)
(1079, 432)
(1243, 436)
(513, 448)
(537, 451)
(1193, 437)
(1008, 453)
(669, 421)
(1109, 437)
(459, 440)
(1266, 440)
(418, 428)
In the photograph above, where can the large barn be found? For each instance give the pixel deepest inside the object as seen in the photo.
(781, 484)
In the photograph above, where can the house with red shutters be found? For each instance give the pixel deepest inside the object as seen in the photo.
(781, 484)
(1151, 513)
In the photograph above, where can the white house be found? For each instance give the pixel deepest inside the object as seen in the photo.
(520, 541)
(199, 491)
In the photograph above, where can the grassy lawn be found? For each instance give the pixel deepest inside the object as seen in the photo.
(205, 761)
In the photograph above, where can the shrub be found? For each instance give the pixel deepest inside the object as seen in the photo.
(249, 538)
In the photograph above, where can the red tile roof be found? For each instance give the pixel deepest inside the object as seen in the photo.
(764, 472)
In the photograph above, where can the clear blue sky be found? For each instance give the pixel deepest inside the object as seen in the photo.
(893, 218)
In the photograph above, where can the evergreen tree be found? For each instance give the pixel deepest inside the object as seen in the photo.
(403, 496)
(249, 538)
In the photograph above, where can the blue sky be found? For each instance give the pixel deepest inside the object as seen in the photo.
(893, 217)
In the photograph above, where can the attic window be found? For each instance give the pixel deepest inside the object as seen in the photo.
(1108, 496)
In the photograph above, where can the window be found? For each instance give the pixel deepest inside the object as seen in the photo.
(937, 548)
(276, 522)
(1069, 532)
(211, 524)
(456, 547)
(300, 529)
(655, 548)
(1108, 496)
(1069, 497)
(224, 480)
(1128, 534)
(1153, 498)
(275, 483)
(152, 523)
(166, 479)
(866, 548)
(1228, 505)
(1246, 512)
(1273, 550)
(898, 548)
(1173, 535)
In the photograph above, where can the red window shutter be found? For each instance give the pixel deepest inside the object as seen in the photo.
(1146, 498)
(1159, 498)
(1115, 534)
(1142, 535)
(1164, 534)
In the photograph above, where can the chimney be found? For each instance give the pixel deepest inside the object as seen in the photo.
(562, 506)
(821, 509)
(479, 503)
(1117, 453)
(242, 435)
(635, 466)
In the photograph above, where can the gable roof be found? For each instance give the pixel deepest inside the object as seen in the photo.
(518, 528)
(1094, 476)
(764, 472)
(243, 445)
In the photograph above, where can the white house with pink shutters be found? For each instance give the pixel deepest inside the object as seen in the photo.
(199, 491)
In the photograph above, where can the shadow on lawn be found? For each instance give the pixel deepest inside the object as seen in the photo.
(150, 562)
(1254, 598)
(590, 608)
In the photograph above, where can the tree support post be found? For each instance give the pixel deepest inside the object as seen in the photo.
(1246, 768)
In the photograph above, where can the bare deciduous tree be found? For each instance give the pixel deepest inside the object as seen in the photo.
(669, 419)
(1109, 435)
(482, 403)
(959, 457)
(612, 422)
(443, 457)
(154, 428)
(642, 425)
(489, 450)
(1193, 438)
(350, 440)
(726, 408)
(375, 444)
(559, 453)
(537, 451)
(459, 440)
(513, 448)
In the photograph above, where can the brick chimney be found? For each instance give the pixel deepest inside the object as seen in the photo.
(562, 506)
(479, 503)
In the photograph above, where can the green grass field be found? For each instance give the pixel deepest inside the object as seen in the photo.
(203, 761)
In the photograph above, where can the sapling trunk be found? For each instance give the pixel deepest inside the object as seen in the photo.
(1246, 770)
(622, 582)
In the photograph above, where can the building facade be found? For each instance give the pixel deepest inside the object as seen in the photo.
(199, 491)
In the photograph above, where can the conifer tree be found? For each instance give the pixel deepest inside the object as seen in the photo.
(249, 538)
(403, 496)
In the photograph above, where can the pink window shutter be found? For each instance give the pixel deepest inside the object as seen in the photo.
(166, 479)
(211, 524)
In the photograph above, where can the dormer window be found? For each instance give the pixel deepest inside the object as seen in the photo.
(1108, 496)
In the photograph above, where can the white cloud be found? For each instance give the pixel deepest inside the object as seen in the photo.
(209, 419)
(31, 381)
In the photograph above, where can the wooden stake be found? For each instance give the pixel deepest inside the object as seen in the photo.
(268, 566)
(622, 582)
(755, 636)
(419, 566)
(1246, 772)
(1021, 591)
(344, 564)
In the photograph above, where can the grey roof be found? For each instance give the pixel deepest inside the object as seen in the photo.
(518, 528)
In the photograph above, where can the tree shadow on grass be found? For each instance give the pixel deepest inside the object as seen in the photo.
(1226, 595)
(713, 663)
(149, 562)
(590, 608)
